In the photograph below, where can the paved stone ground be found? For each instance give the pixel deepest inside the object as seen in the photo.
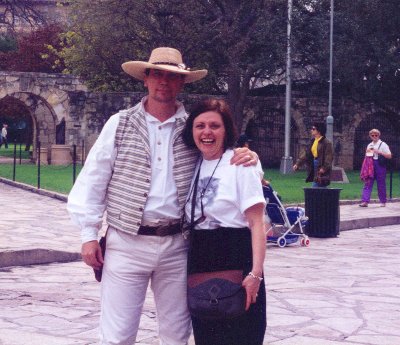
(341, 290)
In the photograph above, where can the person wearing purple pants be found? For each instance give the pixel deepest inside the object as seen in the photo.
(376, 147)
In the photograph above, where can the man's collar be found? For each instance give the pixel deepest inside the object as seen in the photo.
(180, 111)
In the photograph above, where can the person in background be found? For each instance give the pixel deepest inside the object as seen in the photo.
(3, 135)
(318, 157)
(139, 172)
(229, 223)
(243, 141)
(376, 148)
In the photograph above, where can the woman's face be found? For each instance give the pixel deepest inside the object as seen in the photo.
(209, 134)
(374, 137)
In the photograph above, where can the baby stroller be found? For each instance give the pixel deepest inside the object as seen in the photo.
(286, 223)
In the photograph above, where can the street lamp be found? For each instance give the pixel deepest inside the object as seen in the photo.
(329, 119)
(287, 161)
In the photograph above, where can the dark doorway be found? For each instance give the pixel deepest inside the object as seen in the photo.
(20, 125)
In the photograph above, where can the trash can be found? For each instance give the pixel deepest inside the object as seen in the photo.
(323, 212)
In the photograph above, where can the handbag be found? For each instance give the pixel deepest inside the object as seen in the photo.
(99, 272)
(323, 180)
(383, 161)
(215, 295)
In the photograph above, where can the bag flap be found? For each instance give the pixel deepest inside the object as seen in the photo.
(214, 289)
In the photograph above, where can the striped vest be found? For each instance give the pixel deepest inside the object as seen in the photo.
(130, 183)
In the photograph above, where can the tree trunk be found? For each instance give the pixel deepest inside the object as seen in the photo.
(237, 96)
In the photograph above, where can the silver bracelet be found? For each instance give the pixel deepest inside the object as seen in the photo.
(251, 274)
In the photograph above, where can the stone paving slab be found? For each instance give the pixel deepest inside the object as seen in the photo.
(341, 290)
(36, 221)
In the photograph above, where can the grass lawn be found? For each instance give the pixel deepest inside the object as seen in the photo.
(290, 187)
(9, 152)
(55, 178)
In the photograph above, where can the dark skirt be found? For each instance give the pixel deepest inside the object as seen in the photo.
(227, 249)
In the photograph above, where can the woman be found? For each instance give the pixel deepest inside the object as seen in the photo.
(318, 157)
(378, 148)
(229, 226)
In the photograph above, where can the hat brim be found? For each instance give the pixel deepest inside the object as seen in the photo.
(137, 70)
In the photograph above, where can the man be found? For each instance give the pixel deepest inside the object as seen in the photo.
(139, 171)
(3, 139)
(318, 157)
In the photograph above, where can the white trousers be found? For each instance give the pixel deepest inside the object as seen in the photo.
(130, 263)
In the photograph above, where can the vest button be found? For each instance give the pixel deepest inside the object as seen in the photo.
(145, 194)
(140, 209)
(147, 180)
(138, 224)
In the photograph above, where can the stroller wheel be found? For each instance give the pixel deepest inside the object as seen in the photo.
(281, 242)
(305, 241)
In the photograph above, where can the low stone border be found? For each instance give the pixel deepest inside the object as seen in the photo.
(33, 189)
(35, 257)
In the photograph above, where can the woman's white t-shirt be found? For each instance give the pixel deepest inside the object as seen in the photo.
(379, 146)
(228, 193)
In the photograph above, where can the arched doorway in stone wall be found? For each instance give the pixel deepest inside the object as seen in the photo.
(17, 116)
(39, 116)
(389, 126)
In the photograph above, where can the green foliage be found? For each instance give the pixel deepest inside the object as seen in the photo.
(241, 43)
(235, 40)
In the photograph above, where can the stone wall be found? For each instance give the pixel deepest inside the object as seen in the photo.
(52, 98)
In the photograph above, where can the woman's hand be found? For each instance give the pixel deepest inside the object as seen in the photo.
(257, 224)
(251, 285)
(91, 254)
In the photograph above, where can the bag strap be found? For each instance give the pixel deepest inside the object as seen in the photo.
(192, 210)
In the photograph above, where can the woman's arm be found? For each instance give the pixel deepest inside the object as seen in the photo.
(256, 219)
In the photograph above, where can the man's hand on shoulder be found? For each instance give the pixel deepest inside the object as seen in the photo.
(244, 156)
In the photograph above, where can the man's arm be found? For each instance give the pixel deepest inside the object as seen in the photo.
(87, 199)
(244, 156)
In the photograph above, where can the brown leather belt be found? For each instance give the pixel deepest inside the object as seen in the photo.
(161, 230)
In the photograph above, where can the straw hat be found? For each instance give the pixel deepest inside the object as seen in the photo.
(165, 59)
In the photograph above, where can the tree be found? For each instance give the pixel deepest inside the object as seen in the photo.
(36, 52)
(366, 47)
(14, 11)
(241, 43)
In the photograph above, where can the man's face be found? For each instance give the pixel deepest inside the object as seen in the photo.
(163, 86)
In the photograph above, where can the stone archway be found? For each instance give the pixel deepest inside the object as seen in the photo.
(44, 119)
(47, 96)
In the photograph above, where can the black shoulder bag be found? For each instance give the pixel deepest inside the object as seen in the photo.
(383, 161)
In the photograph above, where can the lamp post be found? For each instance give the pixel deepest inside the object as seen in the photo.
(287, 161)
(329, 119)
